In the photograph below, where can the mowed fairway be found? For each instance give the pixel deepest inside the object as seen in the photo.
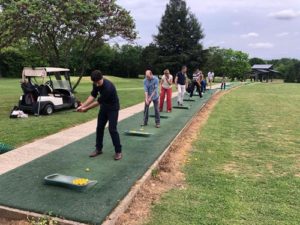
(19, 131)
(245, 166)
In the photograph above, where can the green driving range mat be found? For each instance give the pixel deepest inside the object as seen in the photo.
(137, 133)
(162, 116)
(24, 188)
(182, 107)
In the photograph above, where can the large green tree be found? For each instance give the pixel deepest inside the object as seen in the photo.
(178, 38)
(289, 69)
(256, 60)
(56, 25)
(233, 64)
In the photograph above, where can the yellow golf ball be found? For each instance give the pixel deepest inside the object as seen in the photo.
(80, 181)
(87, 169)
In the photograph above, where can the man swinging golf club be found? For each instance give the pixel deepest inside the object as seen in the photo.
(151, 84)
(109, 111)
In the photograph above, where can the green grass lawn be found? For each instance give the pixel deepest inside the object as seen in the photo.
(245, 166)
(16, 132)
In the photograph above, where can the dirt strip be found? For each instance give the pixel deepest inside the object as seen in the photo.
(169, 172)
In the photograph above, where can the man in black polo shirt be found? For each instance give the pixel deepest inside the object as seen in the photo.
(180, 82)
(109, 111)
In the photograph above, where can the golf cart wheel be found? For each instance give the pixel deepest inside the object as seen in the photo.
(48, 110)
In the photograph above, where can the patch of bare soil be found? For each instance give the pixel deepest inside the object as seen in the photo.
(169, 175)
(13, 222)
(231, 167)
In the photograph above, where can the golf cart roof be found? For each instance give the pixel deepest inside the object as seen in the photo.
(41, 71)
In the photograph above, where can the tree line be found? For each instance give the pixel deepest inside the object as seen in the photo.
(76, 34)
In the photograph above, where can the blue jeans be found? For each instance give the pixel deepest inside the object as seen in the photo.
(203, 86)
(156, 110)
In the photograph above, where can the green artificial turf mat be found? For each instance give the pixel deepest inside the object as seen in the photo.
(189, 100)
(5, 148)
(162, 116)
(24, 188)
(181, 107)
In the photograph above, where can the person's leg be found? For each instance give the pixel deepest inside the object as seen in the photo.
(146, 114)
(112, 127)
(156, 110)
(179, 94)
(182, 93)
(192, 89)
(162, 99)
(102, 120)
(202, 86)
(199, 90)
(169, 99)
(224, 85)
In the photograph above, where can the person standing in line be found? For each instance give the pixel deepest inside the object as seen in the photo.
(196, 82)
(151, 84)
(223, 84)
(203, 83)
(210, 77)
(109, 112)
(166, 89)
(181, 84)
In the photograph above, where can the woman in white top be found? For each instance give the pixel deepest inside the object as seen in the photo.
(166, 89)
(210, 77)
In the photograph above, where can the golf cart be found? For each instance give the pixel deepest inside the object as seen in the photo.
(45, 90)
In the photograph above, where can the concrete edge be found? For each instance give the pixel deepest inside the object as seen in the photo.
(127, 200)
(16, 214)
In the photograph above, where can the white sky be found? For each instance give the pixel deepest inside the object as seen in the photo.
(263, 28)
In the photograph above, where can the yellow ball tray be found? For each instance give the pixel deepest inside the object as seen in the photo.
(67, 182)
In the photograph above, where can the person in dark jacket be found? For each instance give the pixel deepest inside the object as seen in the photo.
(109, 112)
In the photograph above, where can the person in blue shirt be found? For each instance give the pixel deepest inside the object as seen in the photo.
(109, 112)
(151, 84)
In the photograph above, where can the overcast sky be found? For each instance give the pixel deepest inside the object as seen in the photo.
(263, 28)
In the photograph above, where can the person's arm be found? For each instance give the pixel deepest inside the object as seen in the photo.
(146, 93)
(168, 80)
(161, 81)
(186, 80)
(88, 101)
(176, 80)
(153, 92)
(87, 105)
